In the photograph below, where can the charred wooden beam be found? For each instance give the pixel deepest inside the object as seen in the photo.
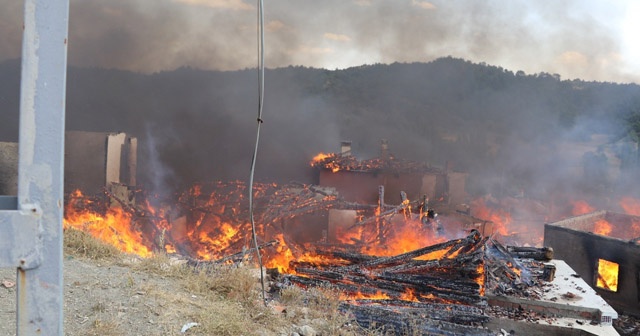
(473, 248)
(351, 290)
(449, 268)
(408, 323)
(413, 266)
(400, 258)
(353, 257)
(426, 281)
(397, 286)
(450, 307)
(537, 253)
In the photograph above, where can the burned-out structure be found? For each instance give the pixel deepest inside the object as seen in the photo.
(94, 162)
(359, 180)
(602, 247)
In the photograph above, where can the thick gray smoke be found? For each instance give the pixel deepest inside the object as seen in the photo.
(574, 39)
(503, 129)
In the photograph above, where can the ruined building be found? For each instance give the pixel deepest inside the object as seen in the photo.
(359, 180)
(602, 247)
(93, 161)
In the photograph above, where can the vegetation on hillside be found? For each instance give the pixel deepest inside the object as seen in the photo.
(504, 127)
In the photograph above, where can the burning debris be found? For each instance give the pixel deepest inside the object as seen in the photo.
(437, 288)
(356, 180)
(447, 272)
(393, 265)
(388, 162)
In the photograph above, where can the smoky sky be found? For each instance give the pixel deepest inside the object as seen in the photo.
(576, 39)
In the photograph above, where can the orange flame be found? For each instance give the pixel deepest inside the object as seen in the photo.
(409, 295)
(115, 227)
(325, 160)
(607, 275)
(403, 236)
(282, 257)
(320, 157)
(501, 219)
(358, 296)
(630, 205)
(602, 227)
(581, 208)
(481, 278)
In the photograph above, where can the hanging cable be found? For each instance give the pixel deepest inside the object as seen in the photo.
(255, 151)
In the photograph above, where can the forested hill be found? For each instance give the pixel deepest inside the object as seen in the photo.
(198, 125)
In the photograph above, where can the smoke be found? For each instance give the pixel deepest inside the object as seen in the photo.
(158, 174)
(574, 39)
(203, 124)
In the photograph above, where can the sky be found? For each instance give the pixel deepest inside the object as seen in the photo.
(584, 39)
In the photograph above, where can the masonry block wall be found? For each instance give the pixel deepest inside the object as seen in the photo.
(574, 242)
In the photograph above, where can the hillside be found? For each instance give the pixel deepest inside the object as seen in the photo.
(504, 127)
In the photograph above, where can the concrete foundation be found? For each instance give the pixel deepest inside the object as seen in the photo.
(571, 306)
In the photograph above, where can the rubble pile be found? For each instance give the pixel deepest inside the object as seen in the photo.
(439, 287)
(389, 163)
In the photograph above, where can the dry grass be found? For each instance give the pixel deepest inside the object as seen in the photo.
(231, 301)
(223, 299)
(81, 244)
(106, 327)
(321, 307)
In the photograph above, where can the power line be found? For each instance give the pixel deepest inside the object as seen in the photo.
(255, 151)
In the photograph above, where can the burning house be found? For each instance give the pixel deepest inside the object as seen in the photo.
(358, 180)
(390, 262)
(602, 247)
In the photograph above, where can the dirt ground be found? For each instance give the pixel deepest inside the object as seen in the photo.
(109, 300)
(108, 293)
(111, 294)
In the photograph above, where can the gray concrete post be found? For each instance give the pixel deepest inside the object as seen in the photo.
(40, 167)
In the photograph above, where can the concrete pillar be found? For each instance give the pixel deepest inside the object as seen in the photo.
(115, 144)
(457, 187)
(132, 160)
(428, 186)
(345, 147)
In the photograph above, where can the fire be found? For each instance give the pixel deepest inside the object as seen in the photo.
(282, 257)
(500, 218)
(581, 208)
(404, 235)
(602, 227)
(326, 161)
(607, 275)
(213, 243)
(347, 236)
(213, 224)
(320, 157)
(630, 205)
(481, 278)
(409, 295)
(115, 227)
(359, 296)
